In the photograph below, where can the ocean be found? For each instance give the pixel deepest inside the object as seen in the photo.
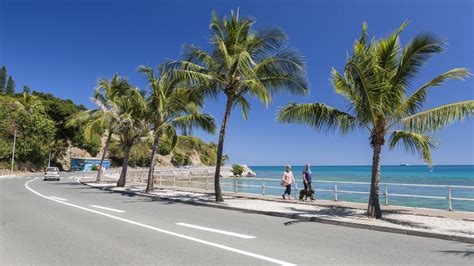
(449, 175)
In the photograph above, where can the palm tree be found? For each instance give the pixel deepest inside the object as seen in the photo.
(105, 117)
(243, 62)
(132, 126)
(169, 107)
(375, 83)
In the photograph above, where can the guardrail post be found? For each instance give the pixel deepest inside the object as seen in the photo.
(335, 192)
(207, 183)
(263, 186)
(174, 181)
(235, 185)
(450, 207)
(159, 178)
(189, 181)
(386, 195)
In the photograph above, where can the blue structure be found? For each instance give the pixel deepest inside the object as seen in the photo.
(86, 164)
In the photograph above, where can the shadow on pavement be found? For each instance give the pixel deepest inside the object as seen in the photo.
(464, 253)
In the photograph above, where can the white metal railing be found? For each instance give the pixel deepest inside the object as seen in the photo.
(178, 178)
(4, 172)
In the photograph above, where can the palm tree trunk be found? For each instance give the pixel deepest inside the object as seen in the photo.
(150, 184)
(373, 210)
(220, 149)
(106, 148)
(123, 174)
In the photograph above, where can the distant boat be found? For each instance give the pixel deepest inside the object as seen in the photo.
(404, 164)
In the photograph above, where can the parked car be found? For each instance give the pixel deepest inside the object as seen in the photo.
(52, 173)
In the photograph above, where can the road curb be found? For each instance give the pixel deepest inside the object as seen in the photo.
(301, 217)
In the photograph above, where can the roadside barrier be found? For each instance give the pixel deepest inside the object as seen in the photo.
(202, 178)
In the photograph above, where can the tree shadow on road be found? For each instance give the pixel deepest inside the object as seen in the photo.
(469, 252)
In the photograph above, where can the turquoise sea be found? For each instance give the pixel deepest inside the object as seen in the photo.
(453, 175)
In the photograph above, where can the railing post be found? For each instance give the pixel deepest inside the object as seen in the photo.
(159, 178)
(174, 180)
(450, 207)
(335, 192)
(263, 186)
(235, 185)
(207, 183)
(189, 181)
(386, 195)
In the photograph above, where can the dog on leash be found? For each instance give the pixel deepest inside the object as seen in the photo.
(305, 193)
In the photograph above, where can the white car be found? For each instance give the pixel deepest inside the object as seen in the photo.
(52, 173)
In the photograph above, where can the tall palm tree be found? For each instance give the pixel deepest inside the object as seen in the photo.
(375, 82)
(105, 118)
(242, 62)
(170, 107)
(132, 126)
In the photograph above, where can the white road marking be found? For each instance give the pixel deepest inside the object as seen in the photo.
(57, 198)
(212, 244)
(216, 231)
(105, 208)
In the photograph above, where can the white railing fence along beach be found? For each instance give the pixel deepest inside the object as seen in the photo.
(202, 178)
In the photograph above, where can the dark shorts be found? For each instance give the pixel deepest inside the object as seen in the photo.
(307, 186)
(288, 190)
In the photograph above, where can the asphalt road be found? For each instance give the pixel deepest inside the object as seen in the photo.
(68, 223)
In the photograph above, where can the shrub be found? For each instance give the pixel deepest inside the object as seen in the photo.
(237, 169)
(180, 159)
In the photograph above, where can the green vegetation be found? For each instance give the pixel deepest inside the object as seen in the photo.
(375, 82)
(170, 106)
(243, 62)
(39, 120)
(237, 169)
(3, 80)
(179, 159)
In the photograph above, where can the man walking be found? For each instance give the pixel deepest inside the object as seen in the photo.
(307, 179)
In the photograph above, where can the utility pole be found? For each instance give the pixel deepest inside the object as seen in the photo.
(13, 153)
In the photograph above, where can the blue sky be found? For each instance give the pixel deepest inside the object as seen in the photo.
(63, 47)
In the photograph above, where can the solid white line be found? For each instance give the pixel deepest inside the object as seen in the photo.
(216, 230)
(212, 244)
(57, 198)
(105, 208)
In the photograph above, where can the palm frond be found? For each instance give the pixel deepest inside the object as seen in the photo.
(415, 101)
(203, 121)
(414, 142)
(436, 118)
(318, 116)
(244, 105)
(415, 55)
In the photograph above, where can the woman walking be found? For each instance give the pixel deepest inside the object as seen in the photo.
(287, 180)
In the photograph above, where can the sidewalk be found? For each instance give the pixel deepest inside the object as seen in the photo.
(457, 226)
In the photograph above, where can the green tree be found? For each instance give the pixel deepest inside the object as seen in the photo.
(3, 80)
(237, 169)
(35, 138)
(106, 117)
(179, 159)
(132, 126)
(375, 82)
(10, 86)
(170, 107)
(243, 62)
